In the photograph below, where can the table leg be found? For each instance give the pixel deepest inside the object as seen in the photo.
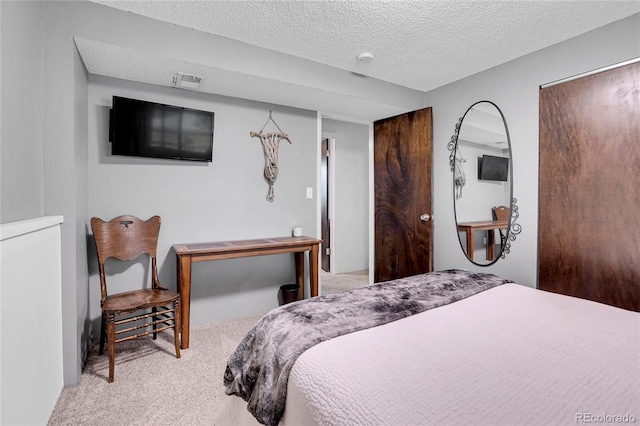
(470, 243)
(490, 244)
(184, 288)
(313, 270)
(299, 256)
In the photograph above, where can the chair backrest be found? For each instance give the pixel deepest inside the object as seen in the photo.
(125, 238)
(501, 213)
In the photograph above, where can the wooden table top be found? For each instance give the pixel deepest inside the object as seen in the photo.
(244, 245)
(484, 224)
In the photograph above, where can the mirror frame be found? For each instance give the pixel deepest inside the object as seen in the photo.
(513, 228)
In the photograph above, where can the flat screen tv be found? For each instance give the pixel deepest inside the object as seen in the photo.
(493, 168)
(147, 129)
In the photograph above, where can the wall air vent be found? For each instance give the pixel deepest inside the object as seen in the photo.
(187, 81)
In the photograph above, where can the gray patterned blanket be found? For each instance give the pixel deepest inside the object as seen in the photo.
(258, 370)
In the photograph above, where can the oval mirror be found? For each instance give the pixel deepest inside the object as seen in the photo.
(482, 180)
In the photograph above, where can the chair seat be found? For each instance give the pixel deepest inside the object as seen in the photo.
(138, 299)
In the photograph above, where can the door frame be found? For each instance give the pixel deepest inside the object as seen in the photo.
(371, 206)
(331, 198)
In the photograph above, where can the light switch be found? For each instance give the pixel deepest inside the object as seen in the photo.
(309, 192)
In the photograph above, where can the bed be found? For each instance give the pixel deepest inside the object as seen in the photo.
(494, 353)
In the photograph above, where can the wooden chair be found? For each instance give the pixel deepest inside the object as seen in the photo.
(502, 213)
(126, 238)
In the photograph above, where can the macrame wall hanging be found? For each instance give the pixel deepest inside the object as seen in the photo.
(270, 144)
(459, 178)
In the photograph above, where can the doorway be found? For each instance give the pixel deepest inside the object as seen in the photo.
(410, 143)
(345, 209)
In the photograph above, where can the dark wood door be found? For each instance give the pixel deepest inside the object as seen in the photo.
(324, 201)
(402, 181)
(589, 218)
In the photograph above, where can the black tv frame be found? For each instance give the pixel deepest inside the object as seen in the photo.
(129, 133)
(497, 170)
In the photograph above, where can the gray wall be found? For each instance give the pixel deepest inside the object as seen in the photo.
(514, 88)
(351, 196)
(21, 142)
(65, 174)
(44, 147)
(221, 200)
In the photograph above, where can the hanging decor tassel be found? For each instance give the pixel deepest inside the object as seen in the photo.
(459, 178)
(270, 144)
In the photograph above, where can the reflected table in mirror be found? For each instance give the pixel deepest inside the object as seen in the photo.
(470, 229)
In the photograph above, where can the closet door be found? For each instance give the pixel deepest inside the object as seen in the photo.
(589, 201)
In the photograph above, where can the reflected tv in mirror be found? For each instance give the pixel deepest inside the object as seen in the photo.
(493, 168)
(147, 129)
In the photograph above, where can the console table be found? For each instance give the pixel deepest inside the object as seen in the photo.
(484, 225)
(187, 254)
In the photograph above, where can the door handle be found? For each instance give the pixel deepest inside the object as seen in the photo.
(425, 217)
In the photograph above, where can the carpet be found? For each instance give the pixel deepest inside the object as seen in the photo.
(152, 386)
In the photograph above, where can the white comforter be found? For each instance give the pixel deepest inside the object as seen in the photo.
(511, 355)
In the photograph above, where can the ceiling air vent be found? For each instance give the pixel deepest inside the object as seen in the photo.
(187, 81)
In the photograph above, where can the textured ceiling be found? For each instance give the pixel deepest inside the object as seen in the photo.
(420, 45)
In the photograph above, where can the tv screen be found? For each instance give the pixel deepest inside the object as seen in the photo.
(493, 168)
(147, 129)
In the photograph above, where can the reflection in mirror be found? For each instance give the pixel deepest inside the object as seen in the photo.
(480, 160)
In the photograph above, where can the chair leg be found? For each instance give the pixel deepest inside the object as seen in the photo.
(154, 318)
(177, 326)
(111, 342)
(102, 335)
